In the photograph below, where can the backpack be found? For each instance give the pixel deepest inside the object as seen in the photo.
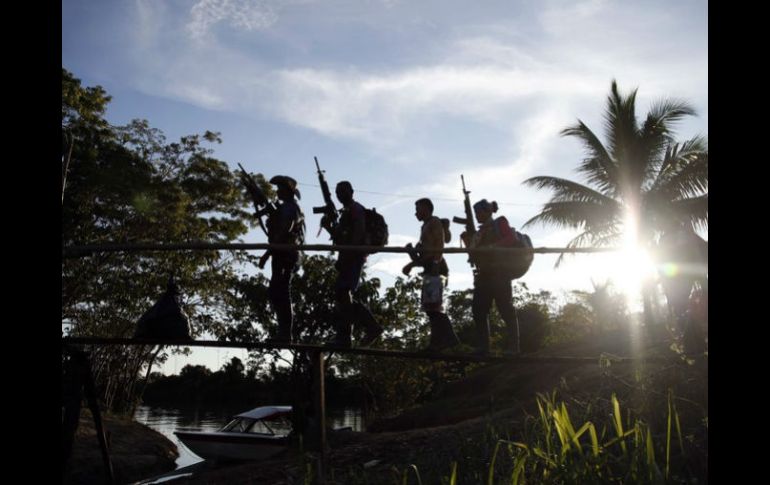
(525, 260)
(376, 228)
(517, 265)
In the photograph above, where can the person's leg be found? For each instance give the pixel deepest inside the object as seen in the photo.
(482, 302)
(343, 299)
(280, 297)
(430, 300)
(342, 324)
(359, 313)
(441, 333)
(503, 296)
(364, 317)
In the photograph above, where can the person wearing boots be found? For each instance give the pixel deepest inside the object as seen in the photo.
(492, 277)
(286, 225)
(350, 230)
(433, 235)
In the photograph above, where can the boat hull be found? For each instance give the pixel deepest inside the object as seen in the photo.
(232, 446)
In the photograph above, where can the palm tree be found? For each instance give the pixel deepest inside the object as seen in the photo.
(638, 180)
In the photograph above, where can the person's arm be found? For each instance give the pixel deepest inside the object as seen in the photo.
(432, 241)
(431, 238)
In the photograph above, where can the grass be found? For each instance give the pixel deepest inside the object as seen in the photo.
(614, 446)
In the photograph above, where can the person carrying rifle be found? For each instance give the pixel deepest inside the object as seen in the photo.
(492, 277)
(350, 230)
(285, 225)
(433, 235)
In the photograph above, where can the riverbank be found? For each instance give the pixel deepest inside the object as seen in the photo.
(136, 451)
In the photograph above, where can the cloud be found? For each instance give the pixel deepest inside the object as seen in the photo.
(387, 263)
(489, 79)
(241, 14)
(368, 106)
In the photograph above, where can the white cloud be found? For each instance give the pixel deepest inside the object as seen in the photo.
(490, 79)
(373, 106)
(387, 263)
(241, 14)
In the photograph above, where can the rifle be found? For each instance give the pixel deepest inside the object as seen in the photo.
(470, 224)
(328, 210)
(263, 206)
(468, 221)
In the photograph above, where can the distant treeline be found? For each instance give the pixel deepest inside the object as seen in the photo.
(231, 387)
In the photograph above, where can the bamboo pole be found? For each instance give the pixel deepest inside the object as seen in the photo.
(436, 356)
(78, 251)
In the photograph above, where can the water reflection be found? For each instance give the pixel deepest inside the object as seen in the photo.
(168, 420)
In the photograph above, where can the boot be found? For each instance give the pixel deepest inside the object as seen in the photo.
(442, 336)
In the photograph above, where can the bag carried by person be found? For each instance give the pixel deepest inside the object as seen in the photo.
(524, 261)
(376, 228)
(516, 265)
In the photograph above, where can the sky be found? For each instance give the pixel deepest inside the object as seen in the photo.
(398, 97)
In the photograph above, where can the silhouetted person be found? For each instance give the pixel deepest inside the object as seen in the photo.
(433, 234)
(684, 266)
(285, 226)
(350, 230)
(492, 277)
(166, 318)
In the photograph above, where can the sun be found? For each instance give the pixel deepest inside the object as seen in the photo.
(632, 265)
(628, 268)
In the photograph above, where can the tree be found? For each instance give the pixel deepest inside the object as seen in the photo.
(641, 176)
(637, 181)
(127, 184)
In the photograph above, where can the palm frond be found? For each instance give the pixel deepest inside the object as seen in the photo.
(620, 124)
(583, 215)
(596, 237)
(684, 171)
(694, 209)
(598, 166)
(568, 191)
(658, 133)
(664, 113)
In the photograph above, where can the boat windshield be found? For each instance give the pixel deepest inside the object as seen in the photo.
(279, 426)
(238, 425)
(275, 426)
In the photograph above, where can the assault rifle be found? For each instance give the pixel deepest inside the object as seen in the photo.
(468, 221)
(329, 211)
(262, 205)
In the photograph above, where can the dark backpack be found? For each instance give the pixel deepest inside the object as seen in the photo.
(525, 260)
(376, 228)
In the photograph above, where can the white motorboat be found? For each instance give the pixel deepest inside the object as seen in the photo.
(254, 435)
